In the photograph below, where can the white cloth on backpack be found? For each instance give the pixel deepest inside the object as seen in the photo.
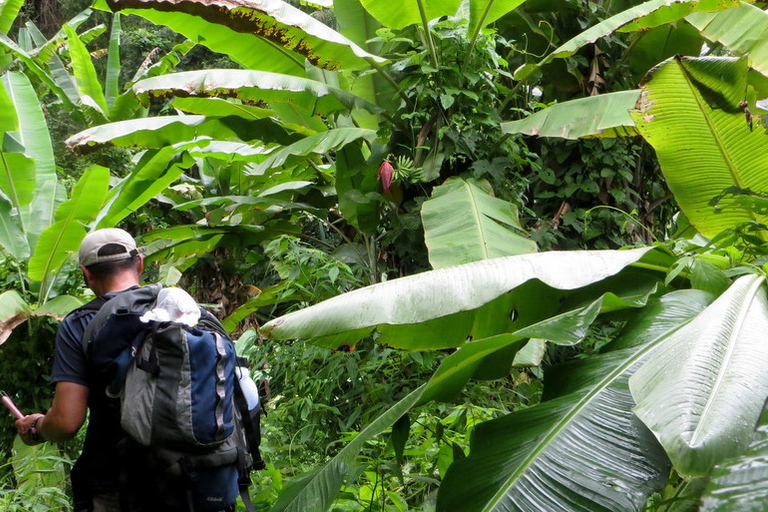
(173, 305)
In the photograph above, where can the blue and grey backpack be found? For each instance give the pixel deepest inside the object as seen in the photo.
(189, 430)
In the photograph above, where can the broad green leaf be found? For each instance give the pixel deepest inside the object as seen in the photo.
(154, 172)
(741, 483)
(85, 74)
(421, 297)
(254, 201)
(583, 450)
(58, 307)
(689, 112)
(742, 30)
(9, 9)
(668, 14)
(9, 121)
(677, 11)
(604, 115)
(63, 237)
(13, 312)
(216, 107)
(270, 35)
(253, 87)
(13, 242)
(409, 12)
(318, 490)
(314, 144)
(111, 84)
(702, 392)
(159, 132)
(34, 136)
(17, 178)
(230, 151)
(462, 223)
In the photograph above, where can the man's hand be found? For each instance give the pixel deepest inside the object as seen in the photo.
(25, 431)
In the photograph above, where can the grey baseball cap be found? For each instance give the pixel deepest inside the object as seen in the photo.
(94, 241)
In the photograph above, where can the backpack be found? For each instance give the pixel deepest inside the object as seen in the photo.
(183, 396)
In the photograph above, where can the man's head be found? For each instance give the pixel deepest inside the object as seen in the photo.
(109, 258)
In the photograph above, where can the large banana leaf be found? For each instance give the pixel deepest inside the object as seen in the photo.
(268, 35)
(254, 86)
(63, 237)
(584, 450)
(463, 223)
(485, 12)
(112, 82)
(34, 136)
(689, 112)
(412, 300)
(218, 107)
(159, 132)
(17, 177)
(409, 12)
(742, 30)
(85, 73)
(604, 115)
(741, 483)
(13, 242)
(703, 391)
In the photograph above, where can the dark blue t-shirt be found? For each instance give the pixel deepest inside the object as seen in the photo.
(95, 471)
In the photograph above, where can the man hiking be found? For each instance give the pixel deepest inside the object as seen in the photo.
(111, 263)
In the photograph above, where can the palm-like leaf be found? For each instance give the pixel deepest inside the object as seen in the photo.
(85, 73)
(463, 223)
(418, 303)
(409, 12)
(604, 115)
(703, 391)
(582, 451)
(13, 311)
(268, 35)
(690, 114)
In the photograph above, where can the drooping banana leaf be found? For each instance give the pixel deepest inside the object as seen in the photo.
(270, 35)
(34, 136)
(689, 112)
(63, 237)
(485, 12)
(58, 307)
(419, 298)
(741, 483)
(702, 392)
(653, 46)
(604, 115)
(13, 311)
(463, 223)
(159, 132)
(583, 451)
(253, 86)
(743, 30)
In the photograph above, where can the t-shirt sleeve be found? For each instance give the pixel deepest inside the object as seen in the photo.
(69, 363)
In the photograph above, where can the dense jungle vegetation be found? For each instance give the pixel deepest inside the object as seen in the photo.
(483, 255)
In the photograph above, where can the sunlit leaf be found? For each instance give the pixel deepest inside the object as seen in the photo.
(13, 312)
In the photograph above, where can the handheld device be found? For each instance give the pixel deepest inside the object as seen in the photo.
(9, 403)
